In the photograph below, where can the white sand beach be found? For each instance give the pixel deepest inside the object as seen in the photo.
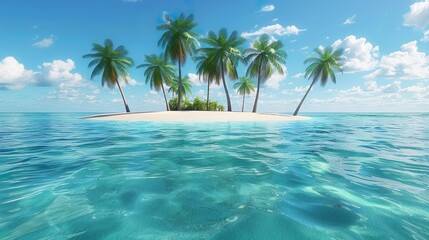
(198, 116)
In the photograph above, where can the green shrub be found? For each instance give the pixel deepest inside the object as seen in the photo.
(196, 105)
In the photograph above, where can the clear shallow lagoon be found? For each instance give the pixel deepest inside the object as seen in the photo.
(337, 176)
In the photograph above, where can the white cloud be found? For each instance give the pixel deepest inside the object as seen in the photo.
(418, 16)
(349, 20)
(215, 86)
(425, 37)
(371, 88)
(59, 72)
(299, 89)
(45, 42)
(267, 8)
(373, 97)
(90, 97)
(194, 79)
(298, 75)
(392, 87)
(200, 93)
(116, 100)
(130, 82)
(63, 93)
(359, 54)
(275, 19)
(406, 64)
(275, 29)
(415, 89)
(370, 94)
(274, 81)
(69, 86)
(13, 74)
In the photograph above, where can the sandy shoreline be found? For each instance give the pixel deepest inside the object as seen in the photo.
(198, 116)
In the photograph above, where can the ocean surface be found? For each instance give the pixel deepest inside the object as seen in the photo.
(336, 176)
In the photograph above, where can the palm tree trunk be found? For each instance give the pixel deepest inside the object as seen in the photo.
(179, 87)
(228, 100)
(299, 105)
(208, 94)
(127, 109)
(165, 98)
(242, 108)
(257, 90)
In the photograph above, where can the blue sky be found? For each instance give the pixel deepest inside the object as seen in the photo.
(386, 49)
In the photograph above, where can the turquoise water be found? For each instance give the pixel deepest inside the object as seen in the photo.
(337, 176)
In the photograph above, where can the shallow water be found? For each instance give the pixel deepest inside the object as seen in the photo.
(337, 176)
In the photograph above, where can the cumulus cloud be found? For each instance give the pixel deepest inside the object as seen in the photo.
(349, 20)
(418, 16)
(359, 54)
(45, 42)
(13, 74)
(267, 8)
(406, 64)
(275, 29)
(276, 78)
(130, 82)
(59, 72)
(194, 79)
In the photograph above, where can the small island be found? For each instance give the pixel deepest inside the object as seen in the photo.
(217, 56)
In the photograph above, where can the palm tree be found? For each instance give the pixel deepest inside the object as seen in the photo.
(264, 55)
(112, 63)
(179, 41)
(208, 72)
(223, 54)
(244, 86)
(322, 67)
(158, 72)
(185, 89)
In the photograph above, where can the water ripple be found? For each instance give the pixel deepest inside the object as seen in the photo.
(338, 176)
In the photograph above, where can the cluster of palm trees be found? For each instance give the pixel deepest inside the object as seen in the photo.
(219, 57)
